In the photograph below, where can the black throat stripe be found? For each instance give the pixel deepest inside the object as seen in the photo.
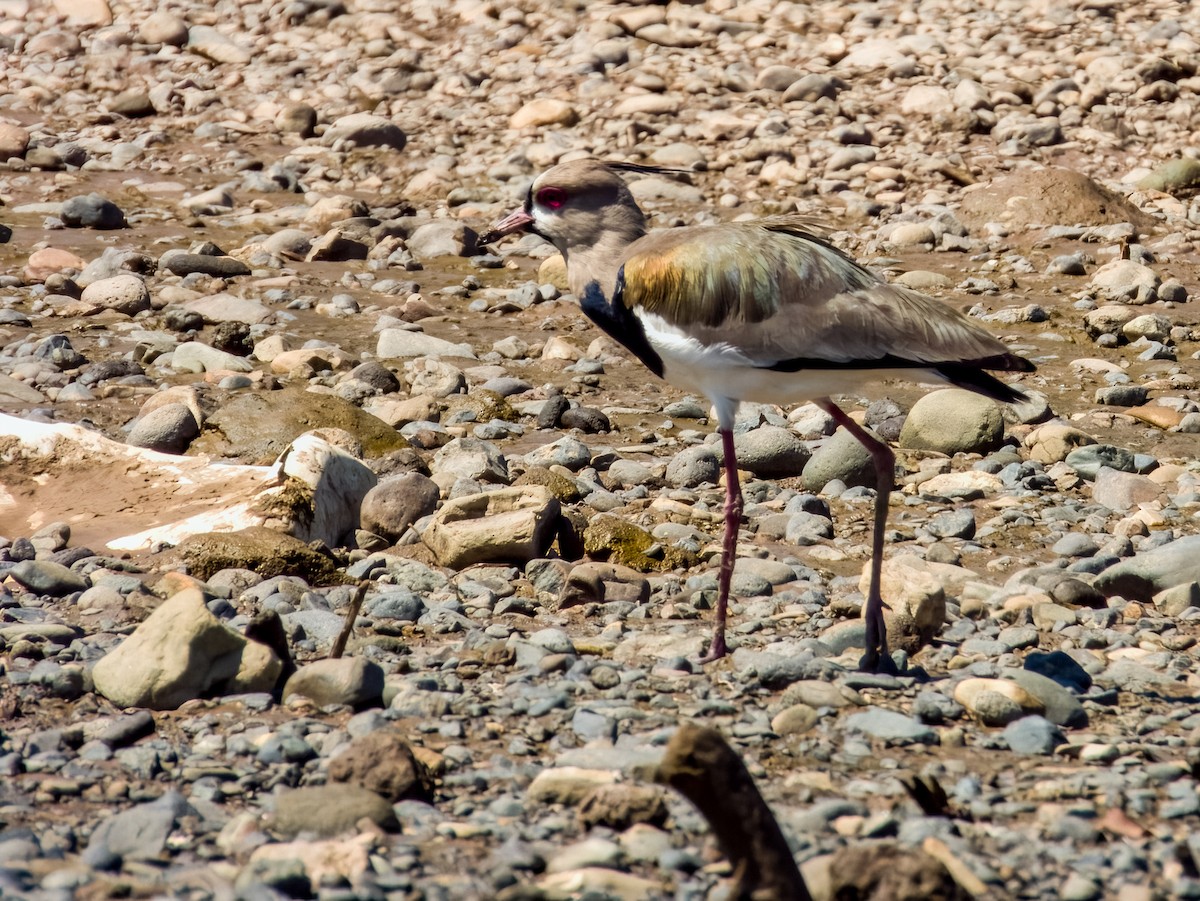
(618, 322)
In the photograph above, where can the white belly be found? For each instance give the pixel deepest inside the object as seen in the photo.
(722, 372)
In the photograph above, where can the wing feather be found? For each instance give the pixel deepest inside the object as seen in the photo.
(777, 291)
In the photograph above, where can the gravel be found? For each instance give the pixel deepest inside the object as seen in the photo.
(225, 227)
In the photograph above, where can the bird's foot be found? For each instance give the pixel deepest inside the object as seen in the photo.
(877, 659)
(716, 650)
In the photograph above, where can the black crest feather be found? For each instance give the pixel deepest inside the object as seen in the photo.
(645, 169)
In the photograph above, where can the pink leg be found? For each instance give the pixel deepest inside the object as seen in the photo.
(733, 521)
(876, 657)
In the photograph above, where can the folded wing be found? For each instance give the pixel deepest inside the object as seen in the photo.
(783, 297)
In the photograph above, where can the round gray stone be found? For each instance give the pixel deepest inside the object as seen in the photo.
(693, 466)
(771, 452)
(954, 421)
(842, 458)
(169, 429)
(397, 502)
(1033, 735)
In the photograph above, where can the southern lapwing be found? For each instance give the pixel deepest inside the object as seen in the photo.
(762, 310)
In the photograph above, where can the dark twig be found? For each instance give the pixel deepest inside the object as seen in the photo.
(339, 643)
(701, 766)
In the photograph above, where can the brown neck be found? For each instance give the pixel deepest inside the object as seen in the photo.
(600, 260)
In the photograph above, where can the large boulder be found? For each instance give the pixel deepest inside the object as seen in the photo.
(181, 652)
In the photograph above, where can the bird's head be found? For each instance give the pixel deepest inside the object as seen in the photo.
(575, 206)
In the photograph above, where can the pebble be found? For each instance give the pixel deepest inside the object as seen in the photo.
(1032, 735)
(953, 524)
(1127, 281)
(365, 130)
(1087, 461)
(396, 502)
(351, 681)
(771, 452)
(1154, 570)
(47, 577)
(183, 263)
(163, 27)
(329, 810)
(124, 293)
(693, 466)
(210, 43)
(841, 458)
(891, 726)
(137, 834)
(92, 211)
(168, 428)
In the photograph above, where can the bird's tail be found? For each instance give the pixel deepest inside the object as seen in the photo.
(973, 376)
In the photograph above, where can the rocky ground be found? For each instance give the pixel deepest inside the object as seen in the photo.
(224, 226)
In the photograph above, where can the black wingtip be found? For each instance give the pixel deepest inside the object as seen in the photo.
(972, 377)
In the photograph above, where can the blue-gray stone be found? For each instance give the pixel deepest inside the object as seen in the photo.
(44, 577)
(1075, 544)
(808, 503)
(1060, 667)
(91, 211)
(771, 452)
(805, 529)
(589, 725)
(1087, 460)
(840, 458)
(398, 605)
(953, 524)
(891, 726)
(1141, 577)
(934, 708)
(139, 833)
(693, 466)
(1122, 395)
(322, 626)
(779, 670)
(506, 386)
(285, 749)
(556, 641)
(1033, 735)
(688, 408)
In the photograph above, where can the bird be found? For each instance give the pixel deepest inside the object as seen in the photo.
(764, 310)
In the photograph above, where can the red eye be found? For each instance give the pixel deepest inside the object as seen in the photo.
(552, 197)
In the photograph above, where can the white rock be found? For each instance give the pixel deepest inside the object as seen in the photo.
(194, 356)
(567, 784)
(126, 294)
(511, 524)
(395, 343)
(338, 481)
(1126, 280)
(926, 100)
(212, 44)
(542, 112)
(227, 308)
